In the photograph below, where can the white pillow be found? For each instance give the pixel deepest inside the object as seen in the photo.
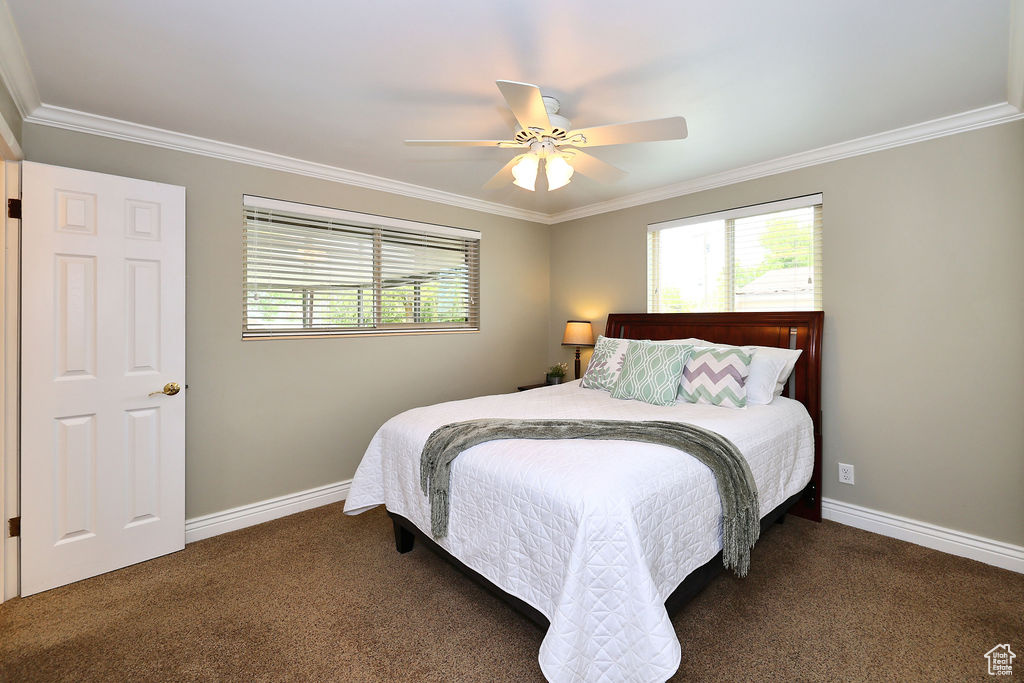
(684, 342)
(789, 358)
(769, 370)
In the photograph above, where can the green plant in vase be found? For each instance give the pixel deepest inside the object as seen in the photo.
(556, 373)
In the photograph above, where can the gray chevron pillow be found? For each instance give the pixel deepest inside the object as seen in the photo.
(717, 376)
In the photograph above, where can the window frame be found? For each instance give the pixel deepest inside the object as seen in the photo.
(383, 229)
(729, 217)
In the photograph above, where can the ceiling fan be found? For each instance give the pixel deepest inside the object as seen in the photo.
(549, 137)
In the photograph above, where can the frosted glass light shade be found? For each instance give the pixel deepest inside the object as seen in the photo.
(559, 172)
(525, 172)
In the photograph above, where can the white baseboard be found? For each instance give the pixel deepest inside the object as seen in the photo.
(222, 522)
(950, 541)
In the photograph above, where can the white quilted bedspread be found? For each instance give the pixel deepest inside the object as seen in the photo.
(594, 534)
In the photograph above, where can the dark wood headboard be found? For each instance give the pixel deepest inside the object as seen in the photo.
(784, 329)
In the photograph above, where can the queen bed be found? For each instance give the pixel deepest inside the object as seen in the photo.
(600, 541)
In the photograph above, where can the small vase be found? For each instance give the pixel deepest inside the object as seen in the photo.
(555, 379)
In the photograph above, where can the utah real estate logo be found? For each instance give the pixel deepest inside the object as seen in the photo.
(1000, 660)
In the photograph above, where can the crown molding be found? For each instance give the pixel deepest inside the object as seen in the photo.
(949, 125)
(71, 119)
(14, 69)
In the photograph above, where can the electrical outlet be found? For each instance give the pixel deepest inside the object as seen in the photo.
(845, 474)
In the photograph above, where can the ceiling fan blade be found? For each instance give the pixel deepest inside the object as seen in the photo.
(592, 167)
(526, 104)
(672, 128)
(465, 143)
(504, 176)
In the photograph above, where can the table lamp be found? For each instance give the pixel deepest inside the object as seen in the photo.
(578, 333)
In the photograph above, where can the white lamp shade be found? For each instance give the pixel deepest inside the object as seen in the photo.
(525, 172)
(559, 172)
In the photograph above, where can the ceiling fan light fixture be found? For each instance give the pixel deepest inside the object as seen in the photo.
(525, 172)
(543, 132)
(558, 171)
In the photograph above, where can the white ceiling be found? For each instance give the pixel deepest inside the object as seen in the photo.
(344, 83)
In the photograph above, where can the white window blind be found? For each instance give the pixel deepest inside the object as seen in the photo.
(765, 257)
(310, 270)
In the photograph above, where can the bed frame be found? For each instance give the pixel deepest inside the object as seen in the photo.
(785, 329)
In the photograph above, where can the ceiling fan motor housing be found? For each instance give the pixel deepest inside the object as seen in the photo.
(559, 124)
(559, 129)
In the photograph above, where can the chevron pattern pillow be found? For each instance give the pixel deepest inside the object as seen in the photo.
(605, 363)
(651, 372)
(717, 376)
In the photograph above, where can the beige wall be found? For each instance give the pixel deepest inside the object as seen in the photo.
(267, 418)
(923, 285)
(923, 386)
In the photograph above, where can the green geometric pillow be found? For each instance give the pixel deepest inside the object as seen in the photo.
(651, 372)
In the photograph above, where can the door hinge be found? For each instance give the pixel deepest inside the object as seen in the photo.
(14, 208)
(14, 526)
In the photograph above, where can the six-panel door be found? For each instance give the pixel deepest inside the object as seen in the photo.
(103, 326)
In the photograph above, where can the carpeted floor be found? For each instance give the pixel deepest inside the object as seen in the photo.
(322, 596)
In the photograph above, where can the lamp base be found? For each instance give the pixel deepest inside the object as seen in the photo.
(577, 362)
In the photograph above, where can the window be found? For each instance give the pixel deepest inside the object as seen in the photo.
(758, 258)
(310, 270)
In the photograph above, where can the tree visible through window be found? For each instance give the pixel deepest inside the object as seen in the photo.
(309, 269)
(760, 258)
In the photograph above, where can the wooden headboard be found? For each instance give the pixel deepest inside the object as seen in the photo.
(784, 329)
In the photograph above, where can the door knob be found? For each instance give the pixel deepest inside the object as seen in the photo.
(171, 388)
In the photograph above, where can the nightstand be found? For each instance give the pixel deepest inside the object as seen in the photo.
(527, 387)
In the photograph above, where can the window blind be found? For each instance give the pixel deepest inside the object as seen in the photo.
(311, 270)
(765, 257)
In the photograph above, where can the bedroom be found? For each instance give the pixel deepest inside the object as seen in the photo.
(916, 144)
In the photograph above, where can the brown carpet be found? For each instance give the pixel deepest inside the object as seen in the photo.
(322, 596)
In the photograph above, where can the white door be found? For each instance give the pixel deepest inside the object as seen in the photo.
(103, 326)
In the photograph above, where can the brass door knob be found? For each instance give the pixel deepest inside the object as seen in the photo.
(170, 389)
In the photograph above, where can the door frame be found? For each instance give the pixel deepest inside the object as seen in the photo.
(10, 339)
(10, 273)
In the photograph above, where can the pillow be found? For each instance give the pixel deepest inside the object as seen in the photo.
(789, 356)
(717, 376)
(605, 363)
(769, 370)
(692, 341)
(686, 342)
(765, 369)
(651, 372)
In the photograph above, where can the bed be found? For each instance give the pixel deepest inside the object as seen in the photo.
(599, 542)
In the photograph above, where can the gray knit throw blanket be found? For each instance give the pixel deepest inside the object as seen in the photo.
(741, 519)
